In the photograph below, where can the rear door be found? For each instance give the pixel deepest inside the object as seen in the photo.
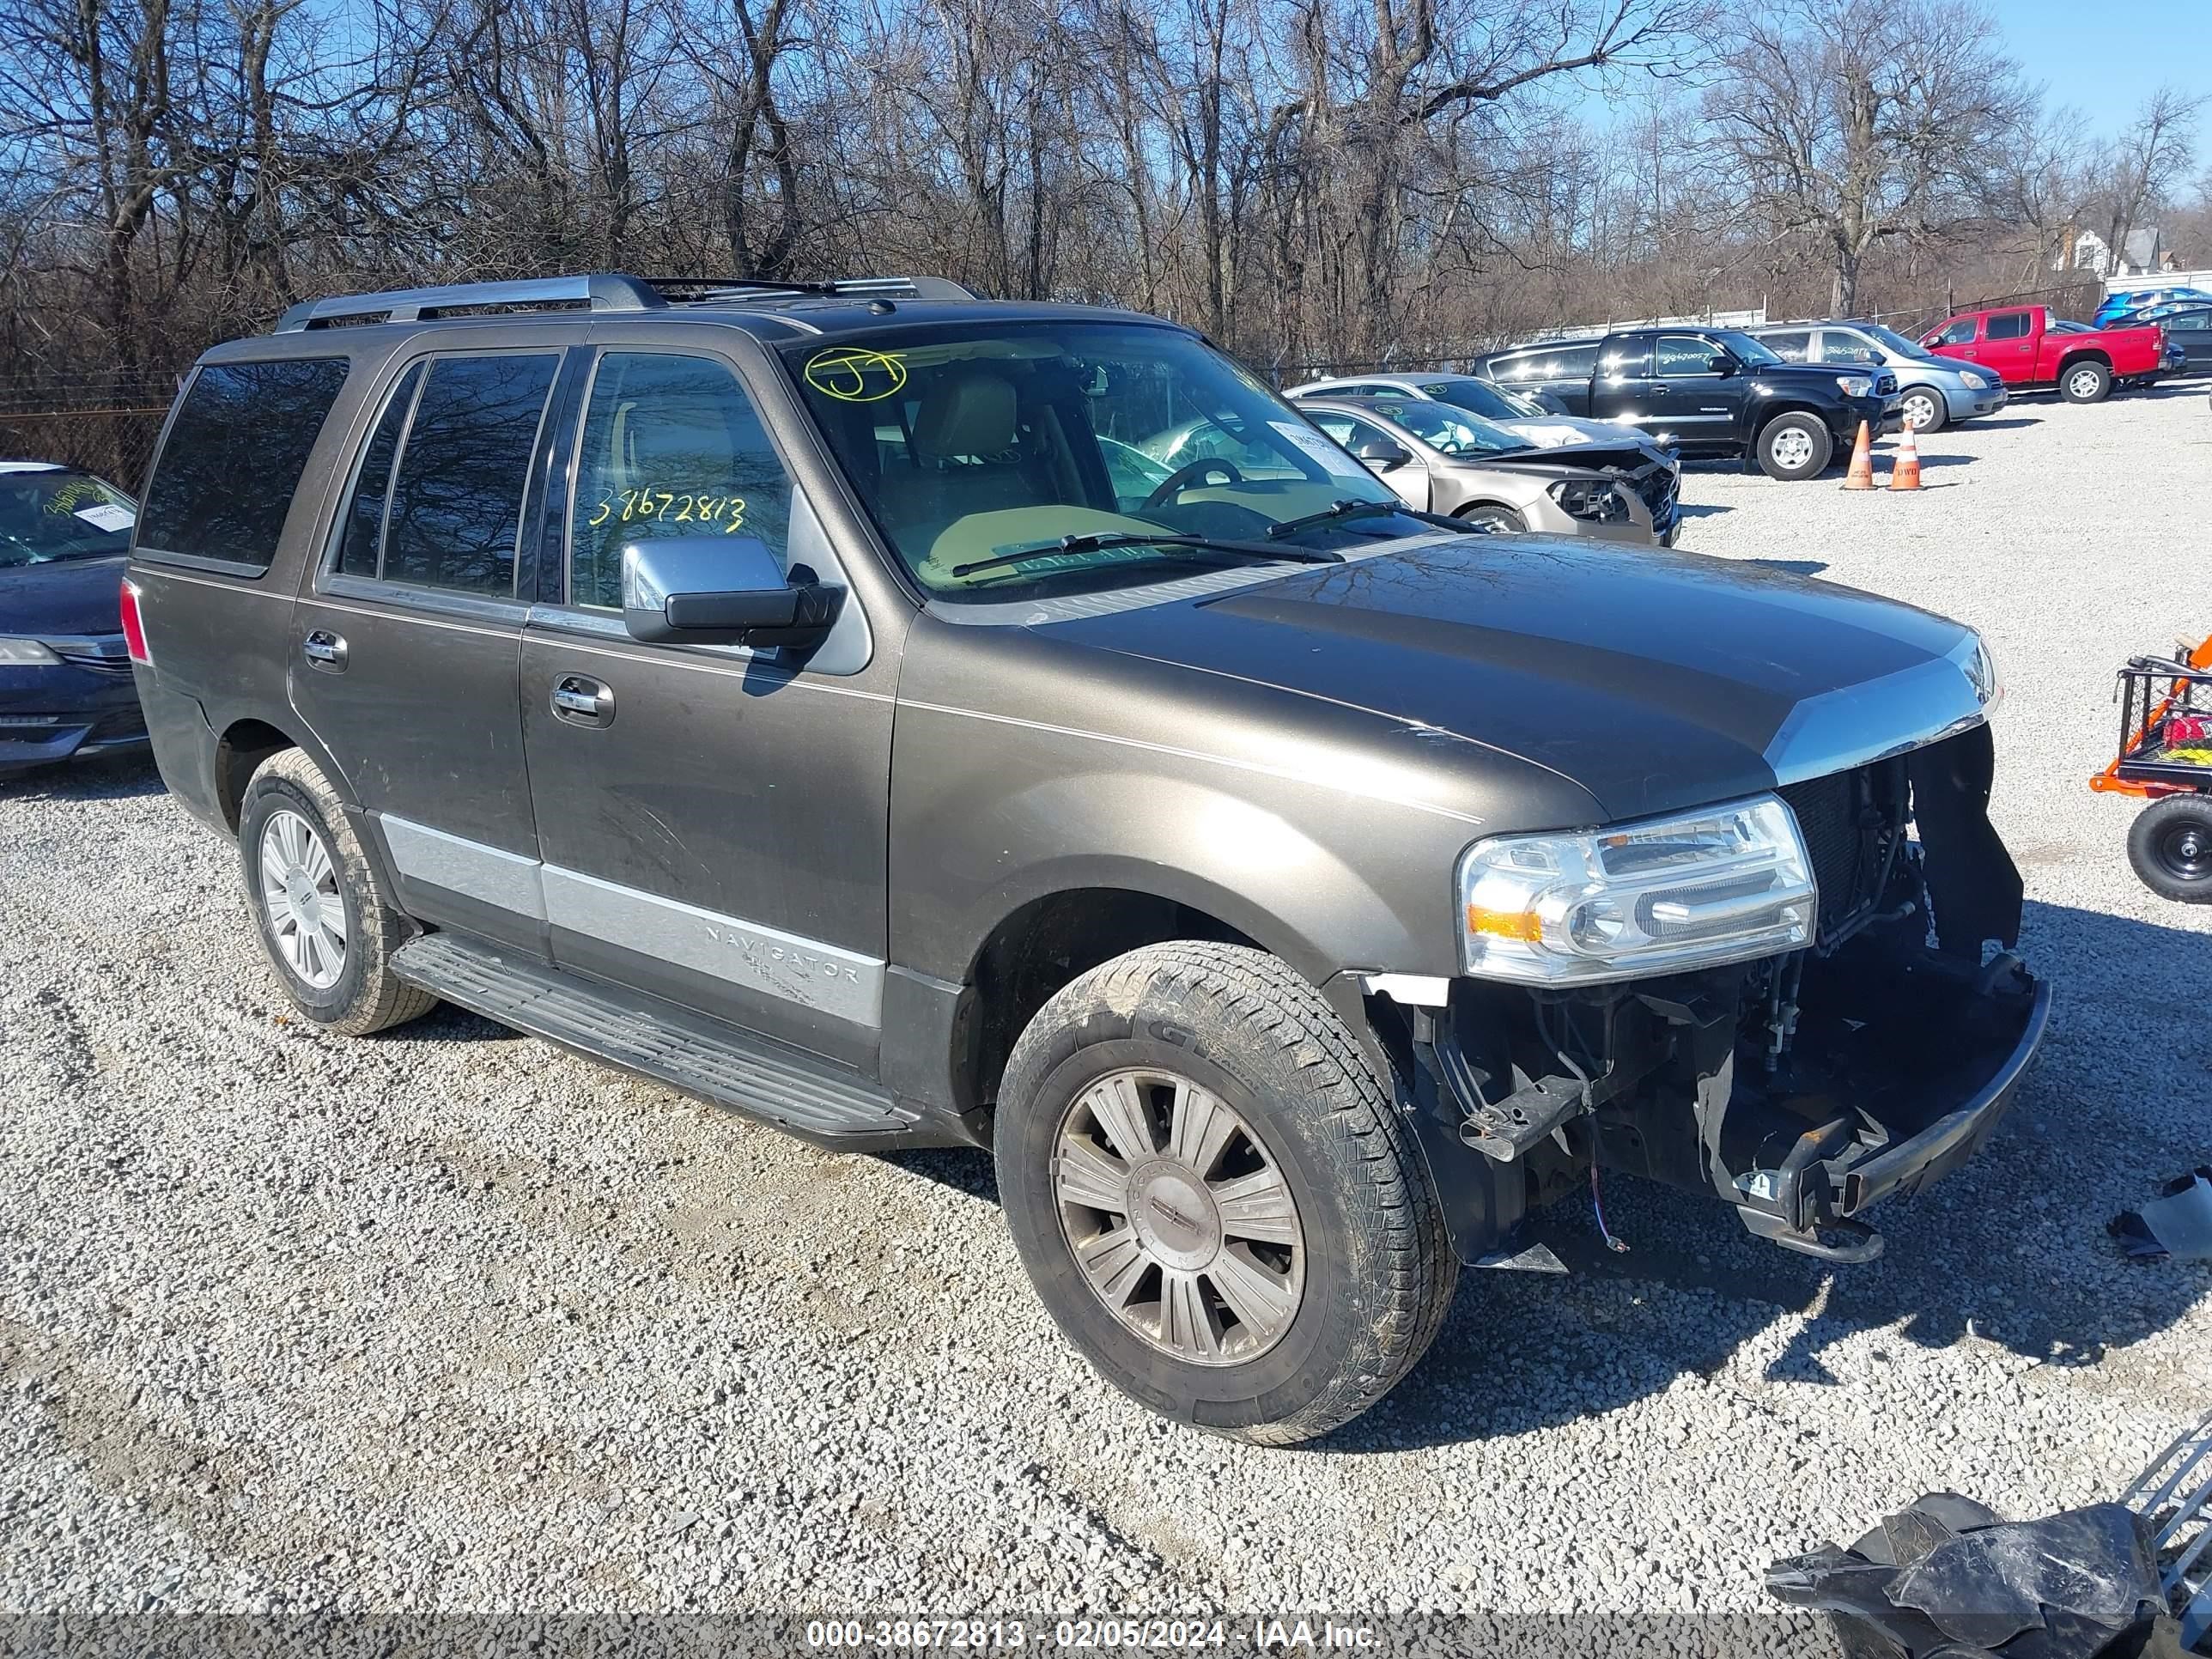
(2008, 344)
(1621, 385)
(404, 647)
(712, 819)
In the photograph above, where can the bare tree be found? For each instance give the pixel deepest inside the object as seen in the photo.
(1853, 125)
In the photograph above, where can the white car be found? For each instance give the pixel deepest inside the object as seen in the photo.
(1518, 412)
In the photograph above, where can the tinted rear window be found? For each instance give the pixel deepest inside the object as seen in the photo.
(456, 503)
(235, 455)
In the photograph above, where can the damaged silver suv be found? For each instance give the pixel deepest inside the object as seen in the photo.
(812, 697)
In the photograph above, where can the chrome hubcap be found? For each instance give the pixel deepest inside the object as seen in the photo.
(1180, 1223)
(1792, 448)
(1918, 411)
(299, 896)
(2084, 384)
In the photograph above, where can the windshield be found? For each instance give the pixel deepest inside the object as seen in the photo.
(1484, 399)
(1746, 349)
(50, 515)
(1446, 428)
(994, 441)
(1891, 340)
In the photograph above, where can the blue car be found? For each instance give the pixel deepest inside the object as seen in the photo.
(2117, 306)
(66, 690)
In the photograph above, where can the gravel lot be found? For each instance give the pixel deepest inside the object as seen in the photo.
(448, 1320)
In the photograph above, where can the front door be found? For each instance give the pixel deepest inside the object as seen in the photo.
(713, 820)
(404, 647)
(1703, 405)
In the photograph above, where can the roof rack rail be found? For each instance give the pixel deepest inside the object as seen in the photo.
(603, 291)
(600, 292)
(850, 287)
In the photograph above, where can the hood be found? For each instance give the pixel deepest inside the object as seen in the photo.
(1557, 431)
(1654, 680)
(62, 598)
(1630, 454)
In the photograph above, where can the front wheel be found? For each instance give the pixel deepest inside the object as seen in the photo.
(2171, 847)
(2085, 383)
(1794, 447)
(1215, 1199)
(1923, 408)
(1488, 515)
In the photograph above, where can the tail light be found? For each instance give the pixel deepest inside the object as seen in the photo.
(134, 627)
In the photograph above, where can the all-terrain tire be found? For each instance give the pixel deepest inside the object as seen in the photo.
(364, 995)
(2170, 844)
(1379, 1270)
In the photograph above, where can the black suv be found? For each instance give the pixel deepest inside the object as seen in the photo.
(822, 699)
(1709, 390)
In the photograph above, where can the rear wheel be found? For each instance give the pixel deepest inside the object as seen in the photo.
(1216, 1201)
(2171, 847)
(1923, 408)
(1793, 447)
(2085, 382)
(324, 922)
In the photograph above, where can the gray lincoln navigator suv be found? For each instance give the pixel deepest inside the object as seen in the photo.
(801, 696)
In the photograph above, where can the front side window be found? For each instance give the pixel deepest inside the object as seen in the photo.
(456, 512)
(2009, 325)
(1959, 333)
(1678, 357)
(234, 454)
(1838, 347)
(977, 452)
(672, 447)
(50, 514)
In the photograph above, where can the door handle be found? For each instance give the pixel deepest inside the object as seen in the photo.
(324, 650)
(583, 700)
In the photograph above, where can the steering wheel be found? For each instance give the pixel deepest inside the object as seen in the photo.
(1184, 477)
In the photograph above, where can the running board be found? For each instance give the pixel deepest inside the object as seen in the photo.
(764, 1079)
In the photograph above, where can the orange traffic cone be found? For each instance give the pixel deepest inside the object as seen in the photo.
(1861, 476)
(1905, 470)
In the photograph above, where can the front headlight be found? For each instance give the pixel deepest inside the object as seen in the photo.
(1856, 385)
(1592, 498)
(1972, 381)
(26, 653)
(1725, 884)
(1982, 674)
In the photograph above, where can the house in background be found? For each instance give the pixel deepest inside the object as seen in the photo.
(2142, 251)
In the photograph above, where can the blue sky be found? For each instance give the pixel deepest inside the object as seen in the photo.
(2105, 63)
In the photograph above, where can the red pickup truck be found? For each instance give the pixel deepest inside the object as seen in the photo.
(2027, 348)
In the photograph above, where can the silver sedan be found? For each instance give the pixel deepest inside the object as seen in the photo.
(1441, 458)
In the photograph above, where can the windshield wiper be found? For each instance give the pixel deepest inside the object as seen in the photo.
(1360, 510)
(1256, 552)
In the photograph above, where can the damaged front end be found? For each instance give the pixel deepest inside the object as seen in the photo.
(1801, 1087)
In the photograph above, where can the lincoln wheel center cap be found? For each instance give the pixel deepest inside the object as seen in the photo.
(1175, 1216)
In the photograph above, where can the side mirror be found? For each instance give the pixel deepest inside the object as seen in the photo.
(1381, 455)
(1723, 365)
(721, 590)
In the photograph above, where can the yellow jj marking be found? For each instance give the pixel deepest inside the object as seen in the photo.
(852, 375)
(672, 506)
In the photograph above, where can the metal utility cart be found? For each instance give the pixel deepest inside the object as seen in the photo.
(2165, 757)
